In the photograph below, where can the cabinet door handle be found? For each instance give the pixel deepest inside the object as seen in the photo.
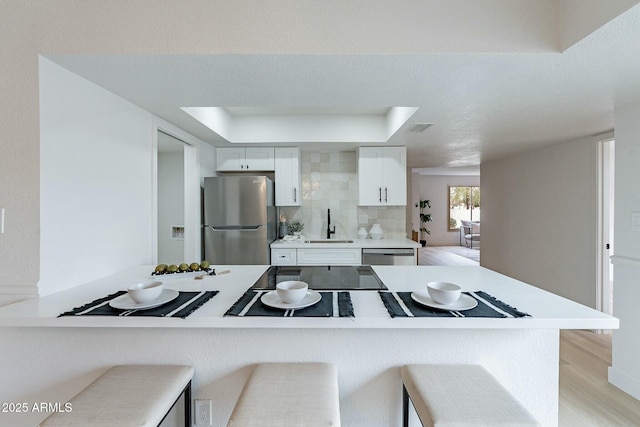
(385, 194)
(295, 194)
(241, 166)
(380, 194)
(247, 166)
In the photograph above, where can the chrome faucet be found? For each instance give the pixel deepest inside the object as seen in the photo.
(329, 231)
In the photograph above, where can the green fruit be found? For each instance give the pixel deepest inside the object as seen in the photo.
(194, 266)
(183, 267)
(172, 268)
(205, 265)
(161, 268)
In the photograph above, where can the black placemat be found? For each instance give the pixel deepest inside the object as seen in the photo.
(249, 304)
(400, 304)
(185, 304)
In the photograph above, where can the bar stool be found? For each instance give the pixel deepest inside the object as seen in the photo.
(459, 395)
(289, 394)
(128, 395)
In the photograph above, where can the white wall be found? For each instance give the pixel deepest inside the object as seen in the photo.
(206, 155)
(625, 370)
(170, 206)
(436, 189)
(206, 158)
(95, 185)
(539, 218)
(97, 188)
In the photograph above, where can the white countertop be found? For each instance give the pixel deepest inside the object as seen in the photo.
(547, 310)
(357, 243)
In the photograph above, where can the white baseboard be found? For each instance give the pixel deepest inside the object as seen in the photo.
(476, 245)
(624, 382)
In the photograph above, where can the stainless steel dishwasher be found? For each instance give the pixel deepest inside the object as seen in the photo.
(398, 256)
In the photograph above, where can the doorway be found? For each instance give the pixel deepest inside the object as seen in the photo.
(170, 199)
(175, 224)
(606, 185)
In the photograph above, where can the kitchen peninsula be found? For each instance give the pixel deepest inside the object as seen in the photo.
(368, 349)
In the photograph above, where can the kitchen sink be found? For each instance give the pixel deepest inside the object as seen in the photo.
(328, 241)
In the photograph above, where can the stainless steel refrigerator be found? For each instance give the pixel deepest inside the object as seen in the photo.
(239, 219)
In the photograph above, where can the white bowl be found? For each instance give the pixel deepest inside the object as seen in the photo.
(292, 291)
(444, 292)
(145, 292)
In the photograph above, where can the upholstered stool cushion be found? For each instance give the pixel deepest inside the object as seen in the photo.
(289, 394)
(130, 395)
(461, 395)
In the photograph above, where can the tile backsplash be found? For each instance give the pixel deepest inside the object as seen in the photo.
(329, 181)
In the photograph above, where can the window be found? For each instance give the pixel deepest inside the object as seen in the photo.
(464, 205)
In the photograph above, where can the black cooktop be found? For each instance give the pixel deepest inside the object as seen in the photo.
(323, 277)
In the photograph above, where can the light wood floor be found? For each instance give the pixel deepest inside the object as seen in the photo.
(436, 255)
(586, 397)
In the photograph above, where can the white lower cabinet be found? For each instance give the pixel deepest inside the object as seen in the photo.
(330, 256)
(317, 256)
(283, 257)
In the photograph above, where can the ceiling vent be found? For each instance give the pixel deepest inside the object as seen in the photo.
(420, 127)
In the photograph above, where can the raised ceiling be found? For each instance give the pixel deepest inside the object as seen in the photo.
(316, 126)
(503, 92)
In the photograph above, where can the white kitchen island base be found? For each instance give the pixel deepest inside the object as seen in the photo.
(52, 364)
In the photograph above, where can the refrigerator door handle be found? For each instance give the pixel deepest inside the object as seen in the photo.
(235, 227)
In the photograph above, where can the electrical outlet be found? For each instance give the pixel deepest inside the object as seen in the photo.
(203, 412)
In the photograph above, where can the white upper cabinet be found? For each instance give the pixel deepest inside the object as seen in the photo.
(230, 159)
(245, 159)
(287, 176)
(382, 176)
